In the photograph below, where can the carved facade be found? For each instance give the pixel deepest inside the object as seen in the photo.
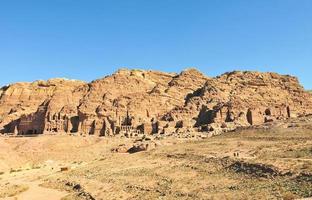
(32, 124)
(59, 123)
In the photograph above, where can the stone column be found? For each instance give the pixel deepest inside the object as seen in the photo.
(15, 130)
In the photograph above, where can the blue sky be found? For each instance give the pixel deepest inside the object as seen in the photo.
(88, 39)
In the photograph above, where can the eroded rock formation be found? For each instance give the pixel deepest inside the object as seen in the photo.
(134, 102)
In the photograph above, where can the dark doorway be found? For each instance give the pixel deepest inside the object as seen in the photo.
(288, 112)
(267, 112)
(75, 123)
(249, 117)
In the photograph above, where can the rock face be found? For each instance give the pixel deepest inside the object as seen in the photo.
(136, 102)
(26, 107)
(245, 98)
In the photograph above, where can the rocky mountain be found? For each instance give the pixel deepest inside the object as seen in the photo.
(133, 102)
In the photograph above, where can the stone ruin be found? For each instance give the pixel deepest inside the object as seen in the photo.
(133, 103)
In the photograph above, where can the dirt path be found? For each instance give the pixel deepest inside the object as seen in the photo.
(32, 179)
(35, 192)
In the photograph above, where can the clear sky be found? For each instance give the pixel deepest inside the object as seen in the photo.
(88, 39)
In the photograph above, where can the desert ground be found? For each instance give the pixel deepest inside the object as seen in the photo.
(268, 162)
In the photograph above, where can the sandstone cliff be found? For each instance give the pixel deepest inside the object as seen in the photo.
(247, 98)
(22, 100)
(132, 102)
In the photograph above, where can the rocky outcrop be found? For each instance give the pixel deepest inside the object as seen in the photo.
(28, 105)
(243, 99)
(254, 169)
(136, 102)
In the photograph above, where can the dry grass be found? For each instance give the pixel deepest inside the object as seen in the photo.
(12, 190)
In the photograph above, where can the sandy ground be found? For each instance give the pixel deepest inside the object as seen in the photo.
(25, 161)
(32, 179)
(179, 169)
